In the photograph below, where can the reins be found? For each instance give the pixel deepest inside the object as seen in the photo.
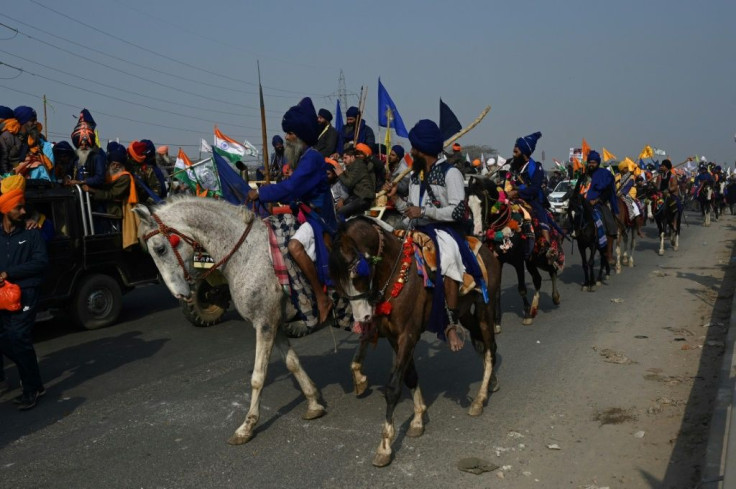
(173, 235)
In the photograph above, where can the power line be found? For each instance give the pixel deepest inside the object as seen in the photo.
(217, 41)
(76, 107)
(126, 91)
(143, 48)
(118, 98)
(133, 63)
(98, 63)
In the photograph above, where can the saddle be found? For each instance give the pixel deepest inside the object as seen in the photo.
(425, 256)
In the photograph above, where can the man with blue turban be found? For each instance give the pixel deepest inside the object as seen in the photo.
(528, 182)
(364, 133)
(601, 194)
(278, 159)
(436, 206)
(308, 192)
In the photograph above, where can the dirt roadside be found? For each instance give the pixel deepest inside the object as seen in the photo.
(633, 411)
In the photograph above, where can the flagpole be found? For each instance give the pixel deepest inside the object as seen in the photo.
(45, 122)
(267, 171)
(361, 107)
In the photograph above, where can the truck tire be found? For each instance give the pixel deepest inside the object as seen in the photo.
(200, 311)
(98, 301)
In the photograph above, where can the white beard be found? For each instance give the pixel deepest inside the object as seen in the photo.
(83, 154)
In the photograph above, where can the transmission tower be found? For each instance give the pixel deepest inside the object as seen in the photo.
(342, 91)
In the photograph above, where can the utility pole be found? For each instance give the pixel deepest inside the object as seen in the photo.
(45, 120)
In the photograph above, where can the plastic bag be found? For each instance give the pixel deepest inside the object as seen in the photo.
(10, 297)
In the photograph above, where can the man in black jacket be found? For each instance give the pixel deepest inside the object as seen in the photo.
(327, 142)
(22, 261)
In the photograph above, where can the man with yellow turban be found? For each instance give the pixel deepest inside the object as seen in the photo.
(23, 265)
(625, 187)
(10, 141)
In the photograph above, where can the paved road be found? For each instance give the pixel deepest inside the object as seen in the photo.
(151, 401)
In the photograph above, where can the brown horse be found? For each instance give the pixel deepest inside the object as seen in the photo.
(371, 266)
(628, 229)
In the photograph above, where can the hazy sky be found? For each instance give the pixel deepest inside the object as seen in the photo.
(621, 74)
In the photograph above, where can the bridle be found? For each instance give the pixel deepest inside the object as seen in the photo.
(372, 296)
(174, 236)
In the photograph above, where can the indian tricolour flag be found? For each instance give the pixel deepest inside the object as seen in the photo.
(183, 172)
(230, 149)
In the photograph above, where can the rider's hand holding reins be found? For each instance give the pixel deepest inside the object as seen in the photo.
(252, 195)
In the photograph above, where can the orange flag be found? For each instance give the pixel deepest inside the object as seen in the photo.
(586, 150)
(576, 165)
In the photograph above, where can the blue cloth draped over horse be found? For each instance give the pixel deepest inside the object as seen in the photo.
(439, 318)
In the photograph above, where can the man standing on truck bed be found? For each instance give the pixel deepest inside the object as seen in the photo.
(23, 260)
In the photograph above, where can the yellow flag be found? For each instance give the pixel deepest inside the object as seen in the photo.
(647, 152)
(607, 155)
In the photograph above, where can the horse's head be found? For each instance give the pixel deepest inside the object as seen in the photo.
(357, 250)
(171, 252)
(482, 195)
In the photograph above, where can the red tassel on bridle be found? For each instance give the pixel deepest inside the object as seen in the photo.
(174, 240)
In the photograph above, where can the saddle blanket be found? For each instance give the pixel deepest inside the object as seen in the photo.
(425, 256)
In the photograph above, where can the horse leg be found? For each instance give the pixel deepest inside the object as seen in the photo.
(411, 380)
(584, 257)
(555, 292)
(360, 381)
(631, 244)
(497, 310)
(314, 408)
(661, 242)
(537, 281)
(489, 348)
(620, 237)
(264, 347)
(404, 350)
(519, 267)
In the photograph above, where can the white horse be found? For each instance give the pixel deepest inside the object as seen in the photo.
(238, 242)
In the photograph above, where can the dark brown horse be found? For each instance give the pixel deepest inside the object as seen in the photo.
(368, 265)
(486, 193)
(628, 229)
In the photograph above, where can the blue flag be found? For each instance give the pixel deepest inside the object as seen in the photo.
(338, 127)
(233, 188)
(384, 104)
(449, 125)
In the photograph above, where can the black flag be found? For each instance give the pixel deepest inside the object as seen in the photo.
(449, 125)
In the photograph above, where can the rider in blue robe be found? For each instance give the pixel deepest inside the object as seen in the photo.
(602, 196)
(308, 191)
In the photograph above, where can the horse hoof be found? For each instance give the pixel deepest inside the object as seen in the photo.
(475, 409)
(415, 431)
(676, 248)
(381, 460)
(237, 439)
(314, 413)
(360, 388)
(556, 300)
(598, 284)
(660, 253)
(527, 321)
(497, 328)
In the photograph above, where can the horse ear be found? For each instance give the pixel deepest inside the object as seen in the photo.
(142, 212)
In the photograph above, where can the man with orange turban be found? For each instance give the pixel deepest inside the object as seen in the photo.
(10, 141)
(23, 265)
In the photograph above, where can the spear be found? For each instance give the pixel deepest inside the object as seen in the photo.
(447, 143)
(263, 127)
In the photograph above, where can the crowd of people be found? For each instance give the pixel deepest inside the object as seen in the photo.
(324, 176)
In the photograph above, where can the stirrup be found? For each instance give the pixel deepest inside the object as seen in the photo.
(461, 332)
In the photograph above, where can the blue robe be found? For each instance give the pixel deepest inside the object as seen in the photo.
(308, 189)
